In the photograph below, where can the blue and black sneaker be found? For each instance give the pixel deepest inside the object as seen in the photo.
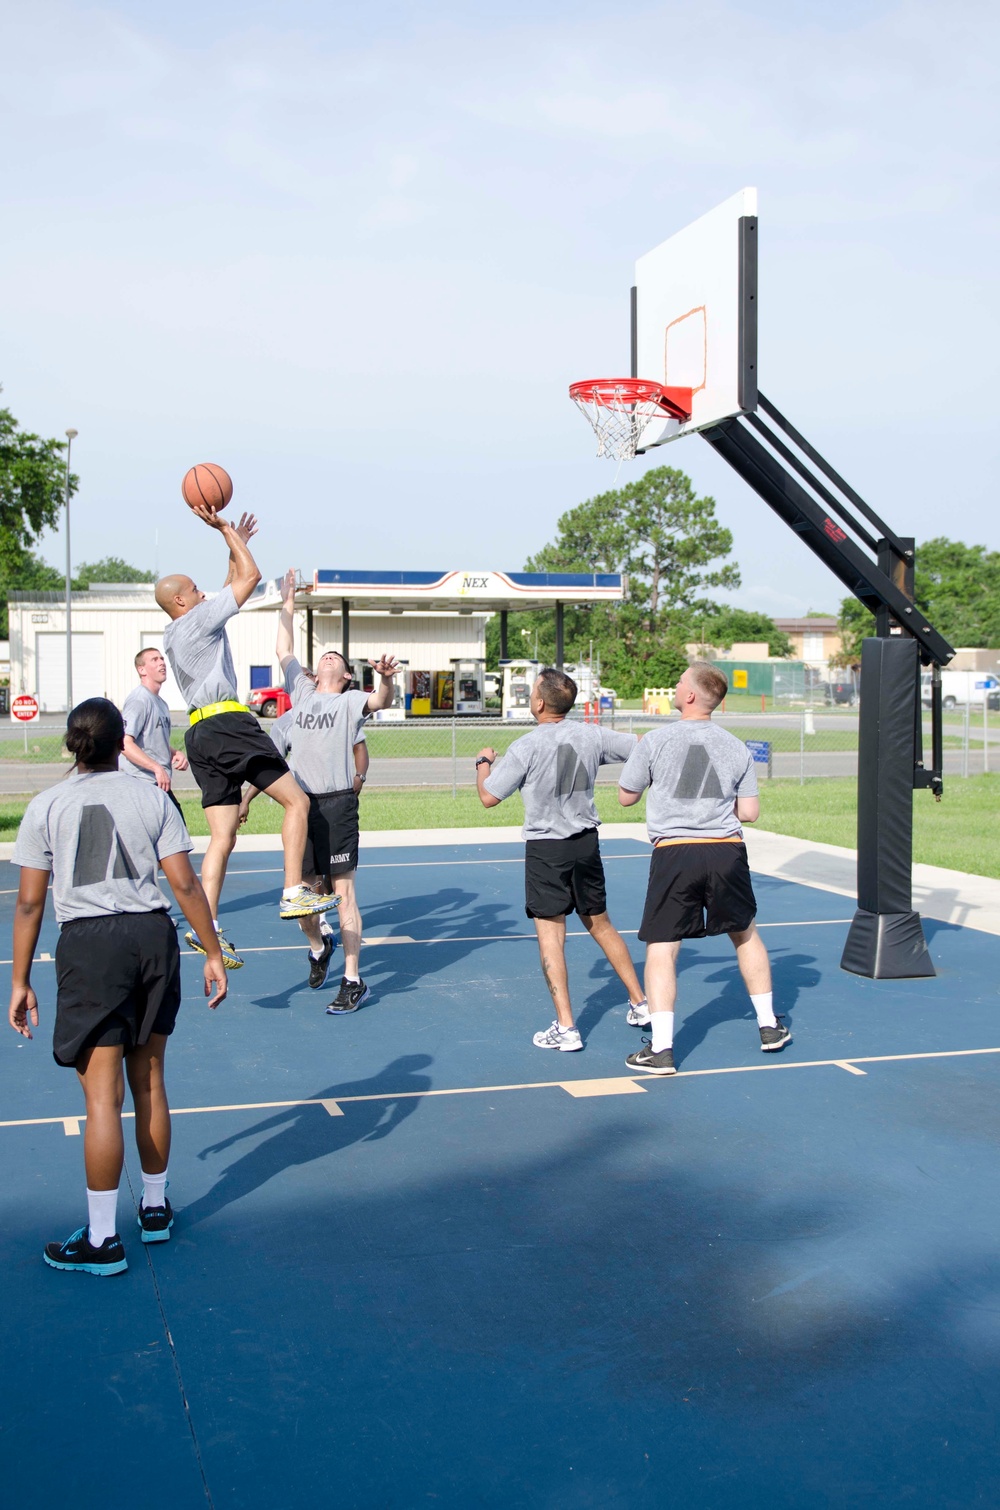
(78, 1252)
(156, 1222)
(352, 995)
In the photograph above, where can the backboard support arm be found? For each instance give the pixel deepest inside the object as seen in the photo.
(885, 939)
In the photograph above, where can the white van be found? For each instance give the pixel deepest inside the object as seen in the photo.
(960, 687)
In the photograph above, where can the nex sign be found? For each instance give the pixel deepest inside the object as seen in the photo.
(474, 584)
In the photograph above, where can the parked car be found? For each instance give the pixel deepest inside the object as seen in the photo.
(269, 702)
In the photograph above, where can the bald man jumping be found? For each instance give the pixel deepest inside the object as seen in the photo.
(225, 744)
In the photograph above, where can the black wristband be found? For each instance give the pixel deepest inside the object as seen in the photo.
(483, 760)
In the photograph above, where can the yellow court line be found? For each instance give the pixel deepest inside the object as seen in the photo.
(611, 1086)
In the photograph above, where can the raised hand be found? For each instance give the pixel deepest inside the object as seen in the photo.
(487, 753)
(211, 517)
(288, 583)
(386, 666)
(247, 527)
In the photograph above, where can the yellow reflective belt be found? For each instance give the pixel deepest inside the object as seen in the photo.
(211, 709)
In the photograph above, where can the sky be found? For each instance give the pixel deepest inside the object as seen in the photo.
(357, 254)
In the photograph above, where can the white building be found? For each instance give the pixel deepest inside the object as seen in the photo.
(428, 619)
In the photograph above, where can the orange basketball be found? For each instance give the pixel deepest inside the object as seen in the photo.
(207, 483)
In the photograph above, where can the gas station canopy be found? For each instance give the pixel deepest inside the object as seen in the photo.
(459, 591)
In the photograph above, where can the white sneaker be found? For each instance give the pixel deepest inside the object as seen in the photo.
(638, 1017)
(556, 1037)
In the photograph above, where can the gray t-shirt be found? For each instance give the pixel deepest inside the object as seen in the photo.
(147, 721)
(280, 733)
(197, 647)
(695, 771)
(555, 766)
(324, 730)
(102, 836)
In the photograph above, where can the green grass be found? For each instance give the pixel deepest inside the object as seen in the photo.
(960, 833)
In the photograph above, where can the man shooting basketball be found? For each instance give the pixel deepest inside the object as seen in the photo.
(225, 743)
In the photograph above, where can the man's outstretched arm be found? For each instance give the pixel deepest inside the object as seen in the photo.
(285, 646)
(243, 574)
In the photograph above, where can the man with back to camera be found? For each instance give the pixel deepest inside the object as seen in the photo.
(702, 788)
(326, 722)
(225, 744)
(321, 951)
(555, 767)
(147, 727)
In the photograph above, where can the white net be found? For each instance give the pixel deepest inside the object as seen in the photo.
(618, 411)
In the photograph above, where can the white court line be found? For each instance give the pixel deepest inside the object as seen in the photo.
(468, 938)
(276, 870)
(614, 1085)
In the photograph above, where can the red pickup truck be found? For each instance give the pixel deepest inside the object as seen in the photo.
(269, 702)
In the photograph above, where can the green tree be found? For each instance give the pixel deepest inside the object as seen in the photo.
(958, 588)
(32, 492)
(110, 569)
(855, 623)
(727, 625)
(670, 544)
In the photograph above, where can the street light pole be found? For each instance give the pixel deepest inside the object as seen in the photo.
(70, 438)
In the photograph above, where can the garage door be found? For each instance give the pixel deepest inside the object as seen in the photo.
(170, 692)
(88, 669)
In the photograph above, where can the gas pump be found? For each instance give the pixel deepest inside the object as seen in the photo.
(518, 680)
(469, 696)
(396, 711)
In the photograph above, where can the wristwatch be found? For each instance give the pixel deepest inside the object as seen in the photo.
(483, 760)
(361, 775)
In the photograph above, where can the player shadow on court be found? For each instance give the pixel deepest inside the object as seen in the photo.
(791, 974)
(306, 1133)
(395, 969)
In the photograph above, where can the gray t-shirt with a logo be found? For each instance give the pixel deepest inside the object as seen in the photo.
(694, 771)
(555, 767)
(147, 721)
(102, 836)
(197, 647)
(324, 729)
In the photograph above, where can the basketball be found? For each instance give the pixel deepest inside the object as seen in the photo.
(207, 483)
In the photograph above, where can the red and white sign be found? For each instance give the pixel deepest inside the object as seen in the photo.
(24, 709)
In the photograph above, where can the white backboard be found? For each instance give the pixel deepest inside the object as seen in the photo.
(695, 317)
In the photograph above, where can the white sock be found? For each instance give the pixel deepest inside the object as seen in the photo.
(289, 891)
(154, 1188)
(324, 928)
(662, 1024)
(570, 1028)
(764, 1008)
(215, 925)
(102, 1209)
(315, 954)
(353, 980)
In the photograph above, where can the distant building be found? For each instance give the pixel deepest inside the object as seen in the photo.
(815, 641)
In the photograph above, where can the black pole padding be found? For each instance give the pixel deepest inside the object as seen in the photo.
(310, 639)
(560, 657)
(886, 938)
(345, 629)
(503, 634)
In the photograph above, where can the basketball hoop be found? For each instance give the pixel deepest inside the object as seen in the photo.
(619, 409)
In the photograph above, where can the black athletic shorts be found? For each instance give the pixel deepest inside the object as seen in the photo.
(332, 836)
(227, 750)
(695, 890)
(118, 979)
(564, 875)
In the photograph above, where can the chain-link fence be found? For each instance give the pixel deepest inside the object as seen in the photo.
(440, 752)
(801, 746)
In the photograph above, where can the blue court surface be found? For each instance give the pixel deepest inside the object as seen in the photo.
(418, 1262)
